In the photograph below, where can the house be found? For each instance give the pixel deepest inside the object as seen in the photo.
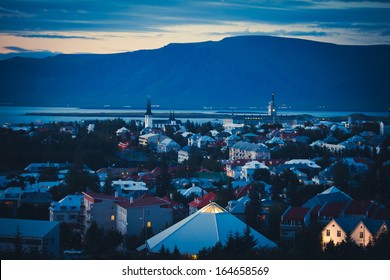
(122, 132)
(333, 194)
(249, 169)
(237, 207)
(43, 236)
(184, 153)
(231, 140)
(200, 202)
(167, 145)
(194, 190)
(331, 210)
(234, 167)
(307, 162)
(100, 208)
(204, 141)
(151, 139)
(361, 231)
(147, 211)
(292, 221)
(67, 210)
(243, 150)
(203, 229)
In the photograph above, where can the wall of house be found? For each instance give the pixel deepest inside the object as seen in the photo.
(333, 234)
(102, 212)
(137, 218)
(361, 235)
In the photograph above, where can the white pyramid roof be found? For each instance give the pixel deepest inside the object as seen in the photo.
(205, 228)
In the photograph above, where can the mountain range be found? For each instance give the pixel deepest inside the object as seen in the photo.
(237, 72)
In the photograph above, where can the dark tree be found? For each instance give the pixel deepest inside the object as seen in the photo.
(108, 188)
(253, 209)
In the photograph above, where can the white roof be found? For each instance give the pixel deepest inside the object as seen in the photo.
(203, 229)
(193, 190)
(309, 163)
(130, 185)
(331, 190)
(255, 165)
(71, 202)
(238, 206)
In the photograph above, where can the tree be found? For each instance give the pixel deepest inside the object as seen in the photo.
(18, 244)
(48, 174)
(163, 180)
(80, 180)
(93, 237)
(108, 188)
(253, 208)
(262, 175)
(341, 175)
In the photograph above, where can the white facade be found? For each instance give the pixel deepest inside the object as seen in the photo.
(249, 169)
(333, 232)
(167, 145)
(67, 210)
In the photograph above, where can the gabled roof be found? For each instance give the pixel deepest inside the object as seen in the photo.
(330, 195)
(332, 209)
(348, 224)
(240, 192)
(203, 229)
(295, 214)
(250, 147)
(201, 202)
(358, 207)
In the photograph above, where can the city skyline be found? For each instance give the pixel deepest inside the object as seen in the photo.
(93, 26)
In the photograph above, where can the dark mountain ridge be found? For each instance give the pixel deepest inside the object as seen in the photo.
(238, 71)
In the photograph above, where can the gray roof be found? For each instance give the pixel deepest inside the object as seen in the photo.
(348, 224)
(27, 228)
(321, 198)
(250, 147)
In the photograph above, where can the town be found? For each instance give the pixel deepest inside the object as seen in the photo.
(250, 187)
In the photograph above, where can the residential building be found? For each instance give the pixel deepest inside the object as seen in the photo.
(293, 220)
(200, 202)
(151, 139)
(249, 169)
(244, 150)
(68, 210)
(100, 208)
(147, 211)
(167, 145)
(41, 236)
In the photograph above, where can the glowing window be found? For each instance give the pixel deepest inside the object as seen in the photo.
(112, 217)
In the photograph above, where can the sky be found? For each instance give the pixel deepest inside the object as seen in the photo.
(111, 26)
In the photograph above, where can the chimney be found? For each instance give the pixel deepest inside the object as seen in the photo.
(116, 193)
(131, 200)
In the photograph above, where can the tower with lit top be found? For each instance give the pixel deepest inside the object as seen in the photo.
(148, 114)
(272, 108)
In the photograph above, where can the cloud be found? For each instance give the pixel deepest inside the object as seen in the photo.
(53, 36)
(15, 49)
(12, 13)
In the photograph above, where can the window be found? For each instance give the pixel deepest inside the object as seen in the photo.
(361, 234)
(339, 233)
(327, 232)
(112, 217)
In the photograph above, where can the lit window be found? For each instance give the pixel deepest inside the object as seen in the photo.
(112, 217)
(327, 232)
(148, 224)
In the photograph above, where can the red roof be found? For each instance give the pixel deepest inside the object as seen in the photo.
(143, 201)
(333, 209)
(383, 214)
(94, 197)
(314, 213)
(243, 191)
(296, 214)
(358, 207)
(201, 202)
(238, 162)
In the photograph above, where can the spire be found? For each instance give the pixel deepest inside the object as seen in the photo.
(273, 97)
(173, 115)
(148, 107)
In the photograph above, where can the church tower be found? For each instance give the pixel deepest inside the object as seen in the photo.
(272, 109)
(148, 114)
